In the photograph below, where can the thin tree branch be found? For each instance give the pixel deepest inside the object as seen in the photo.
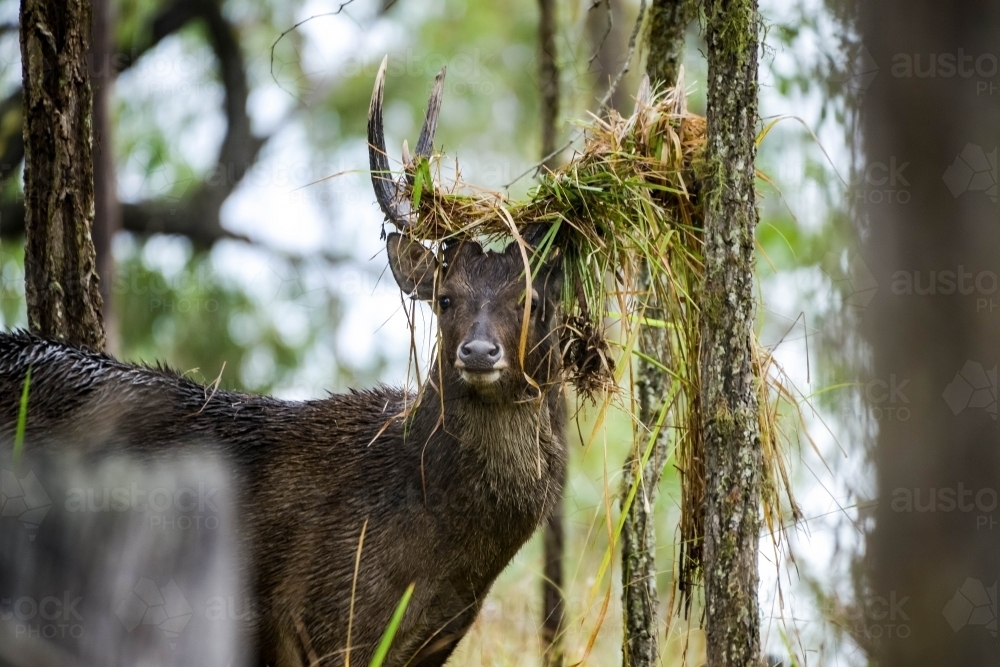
(604, 38)
(240, 147)
(197, 215)
(295, 27)
(627, 65)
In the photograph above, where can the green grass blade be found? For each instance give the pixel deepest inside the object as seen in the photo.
(421, 180)
(390, 632)
(22, 417)
(418, 188)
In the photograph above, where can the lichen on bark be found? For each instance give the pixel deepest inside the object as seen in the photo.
(640, 598)
(61, 284)
(729, 400)
(668, 20)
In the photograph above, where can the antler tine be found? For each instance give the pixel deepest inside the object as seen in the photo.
(644, 94)
(680, 106)
(425, 144)
(378, 159)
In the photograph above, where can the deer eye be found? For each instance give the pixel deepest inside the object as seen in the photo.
(444, 302)
(534, 303)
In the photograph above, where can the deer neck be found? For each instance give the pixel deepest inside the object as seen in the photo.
(511, 444)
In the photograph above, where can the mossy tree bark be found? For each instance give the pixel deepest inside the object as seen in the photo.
(640, 599)
(729, 405)
(61, 282)
(553, 598)
(668, 21)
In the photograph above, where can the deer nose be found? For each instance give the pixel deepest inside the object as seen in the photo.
(479, 354)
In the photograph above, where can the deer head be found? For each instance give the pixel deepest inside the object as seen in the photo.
(479, 298)
(478, 295)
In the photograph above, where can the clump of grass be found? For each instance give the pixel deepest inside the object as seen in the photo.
(624, 216)
(623, 202)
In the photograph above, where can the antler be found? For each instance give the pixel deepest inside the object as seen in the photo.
(388, 192)
(425, 143)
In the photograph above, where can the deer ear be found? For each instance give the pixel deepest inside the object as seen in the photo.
(551, 275)
(413, 266)
(548, 276)
(551, 267)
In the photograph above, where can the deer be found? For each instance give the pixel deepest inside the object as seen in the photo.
(342, 503)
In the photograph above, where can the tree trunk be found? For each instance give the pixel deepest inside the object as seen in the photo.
(107, 210)
(668, 20)
(936, 562)
(554, 601)
(61, 283)
(640, 599)
(728, 395)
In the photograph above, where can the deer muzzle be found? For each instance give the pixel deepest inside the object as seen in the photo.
(480, 361)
